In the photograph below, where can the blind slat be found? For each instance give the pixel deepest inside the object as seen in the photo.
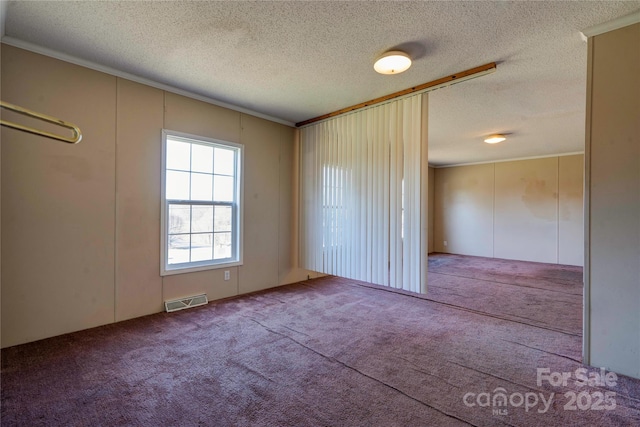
(363, 209)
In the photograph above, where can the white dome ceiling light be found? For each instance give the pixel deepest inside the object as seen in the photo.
(393, 62)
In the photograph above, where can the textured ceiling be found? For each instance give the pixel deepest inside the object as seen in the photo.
(297, 60)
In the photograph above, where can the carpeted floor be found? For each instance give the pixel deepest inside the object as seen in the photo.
(333, 352)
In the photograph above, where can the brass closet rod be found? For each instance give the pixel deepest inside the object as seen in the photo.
(77, 135)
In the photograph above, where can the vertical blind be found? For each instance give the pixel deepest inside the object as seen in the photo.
(363, 195)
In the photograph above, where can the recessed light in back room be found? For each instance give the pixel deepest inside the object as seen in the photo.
(494, 139)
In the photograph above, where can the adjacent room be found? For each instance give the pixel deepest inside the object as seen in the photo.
(337, 213)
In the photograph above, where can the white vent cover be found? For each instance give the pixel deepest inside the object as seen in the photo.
(188, 302)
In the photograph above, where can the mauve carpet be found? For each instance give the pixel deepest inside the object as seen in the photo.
(332, 352)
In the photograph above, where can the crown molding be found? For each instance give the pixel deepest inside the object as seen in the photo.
(605, 27)
(573, 153)
(118, 73)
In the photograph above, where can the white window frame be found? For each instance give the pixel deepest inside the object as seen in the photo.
(237, 227)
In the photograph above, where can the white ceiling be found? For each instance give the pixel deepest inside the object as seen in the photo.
(297, 60)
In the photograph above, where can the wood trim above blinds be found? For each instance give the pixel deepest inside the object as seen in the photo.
(415, 90)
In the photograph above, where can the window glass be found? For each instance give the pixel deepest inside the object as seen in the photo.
(202, 158)
(224, 161)
(178, 155)
(201, 206)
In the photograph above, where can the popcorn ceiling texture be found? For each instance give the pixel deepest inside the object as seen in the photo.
(297, 60)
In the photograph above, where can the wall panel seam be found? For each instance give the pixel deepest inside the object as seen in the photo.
(278, 264)
(558, 213)
(493, 216)
(115, 207)
(164, 126)
(243, 174)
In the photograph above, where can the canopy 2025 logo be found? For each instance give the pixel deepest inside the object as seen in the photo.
(581, 377)
(500, 400)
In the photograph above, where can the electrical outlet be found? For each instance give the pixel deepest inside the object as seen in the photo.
(227, 275)
(445, 243)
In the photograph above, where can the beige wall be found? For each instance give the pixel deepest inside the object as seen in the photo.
(525, 210)
(140, 115)
(464, 210)
(571, 210)
(430, 211)
(612, 280)
(57, 202)
(81, 223)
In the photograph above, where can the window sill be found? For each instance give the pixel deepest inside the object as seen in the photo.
(173, 271)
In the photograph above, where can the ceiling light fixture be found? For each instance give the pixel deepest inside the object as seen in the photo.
(393, 62)
(494, 139)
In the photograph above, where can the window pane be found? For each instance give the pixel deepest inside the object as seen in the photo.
(201, 158)
(224, 161)
(201, 247)
(178, 154)
(222, 245)
(178, 248)
(179, 219)
(201, 186)
(200, 203)
(223, 218)
(202, 219)
(223, 188)
(177, 185)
